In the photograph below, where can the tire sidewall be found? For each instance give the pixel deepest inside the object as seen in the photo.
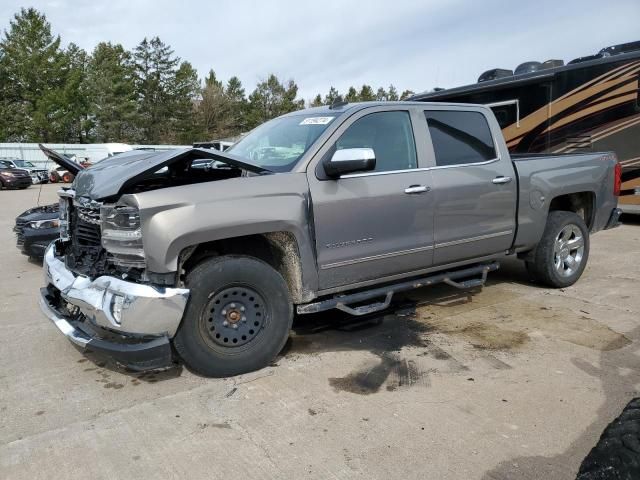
(214, 275)
(558, 221)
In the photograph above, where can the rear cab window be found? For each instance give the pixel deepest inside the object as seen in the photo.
(460, 137)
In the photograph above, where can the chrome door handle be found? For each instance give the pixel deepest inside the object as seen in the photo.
(416, 189)
(501, 180)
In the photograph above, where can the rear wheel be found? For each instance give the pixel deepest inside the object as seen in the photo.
(238, 317)
(562, 253)
(66, 178)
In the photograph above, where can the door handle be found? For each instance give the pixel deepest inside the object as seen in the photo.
(501, 180)
(416, 189)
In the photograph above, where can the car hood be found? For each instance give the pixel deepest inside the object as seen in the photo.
(44, 212)
(110, 176)
(61, 160)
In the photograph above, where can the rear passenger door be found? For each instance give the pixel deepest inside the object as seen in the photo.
(475, 191)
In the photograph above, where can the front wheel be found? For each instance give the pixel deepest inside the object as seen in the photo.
(237, 319)
(562, 253)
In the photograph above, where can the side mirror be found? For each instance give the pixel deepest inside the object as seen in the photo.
(350, 160)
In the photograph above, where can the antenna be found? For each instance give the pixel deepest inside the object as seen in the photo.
(337, 103)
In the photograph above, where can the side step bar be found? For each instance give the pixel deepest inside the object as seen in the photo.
(341, 302)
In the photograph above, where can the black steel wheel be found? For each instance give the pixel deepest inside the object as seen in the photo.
(237, 319)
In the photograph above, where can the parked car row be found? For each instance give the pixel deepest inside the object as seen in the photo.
(12, 177)
(38, 175)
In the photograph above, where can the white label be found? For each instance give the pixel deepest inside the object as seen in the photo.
(316, 120)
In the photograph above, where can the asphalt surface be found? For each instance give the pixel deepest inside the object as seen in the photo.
(509, 382)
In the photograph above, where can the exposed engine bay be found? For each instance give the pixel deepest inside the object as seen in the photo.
(100, 234)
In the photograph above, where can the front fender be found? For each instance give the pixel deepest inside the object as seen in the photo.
(178, 217)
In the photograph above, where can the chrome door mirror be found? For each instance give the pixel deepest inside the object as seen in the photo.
(350, 160)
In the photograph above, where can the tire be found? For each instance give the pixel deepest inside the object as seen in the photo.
(237, 319)
(617, 453)
(557, 264)
(66, 178)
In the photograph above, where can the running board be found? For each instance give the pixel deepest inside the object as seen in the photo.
(342, 302)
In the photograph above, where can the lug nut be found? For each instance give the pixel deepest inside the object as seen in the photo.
(235, 326)
(244, 319)
(233, 305)
(242, 309)
(225, 323)
(224, 312)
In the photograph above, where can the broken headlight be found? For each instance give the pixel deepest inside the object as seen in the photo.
(122, 235)
(43, 224)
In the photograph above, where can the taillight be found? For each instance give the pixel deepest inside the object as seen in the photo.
(617, 179)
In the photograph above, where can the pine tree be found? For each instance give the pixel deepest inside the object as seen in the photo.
(238, 106)
(332, 96)
(352, 95)
(317, 101)
(271, 99)
(406, 94)
(366, 94)
(382, 95)
(32, 66)
(183, 93)
(392, 94)
(111, 89)
(155, 68)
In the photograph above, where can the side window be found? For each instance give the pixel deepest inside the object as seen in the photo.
(390, 136)
(460, 137)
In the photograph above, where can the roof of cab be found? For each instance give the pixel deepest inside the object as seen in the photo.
(351, 107)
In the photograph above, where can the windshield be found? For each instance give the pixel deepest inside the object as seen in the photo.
(278, 144)
(5, 164)
(22, 163)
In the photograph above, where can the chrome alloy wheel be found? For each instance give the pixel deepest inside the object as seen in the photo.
(568, 250)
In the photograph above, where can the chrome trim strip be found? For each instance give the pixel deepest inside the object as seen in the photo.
(375, 257)
(473, 239)
(423, 169)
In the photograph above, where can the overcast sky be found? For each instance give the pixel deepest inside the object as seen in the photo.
(413, 44)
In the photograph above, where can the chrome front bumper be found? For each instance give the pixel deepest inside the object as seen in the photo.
(114, 304)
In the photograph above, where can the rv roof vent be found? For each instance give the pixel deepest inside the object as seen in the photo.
(494, 74)
(527, 67)
(587, 58)
(622, 48)
(552, 64)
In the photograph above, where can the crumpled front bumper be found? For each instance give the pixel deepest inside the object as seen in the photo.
(128, 321)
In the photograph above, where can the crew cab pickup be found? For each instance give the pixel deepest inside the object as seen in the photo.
(331, 207)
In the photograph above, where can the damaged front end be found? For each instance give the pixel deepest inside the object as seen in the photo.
(97, 292)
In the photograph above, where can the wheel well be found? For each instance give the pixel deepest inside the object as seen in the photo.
(278, 249)
(581, 203)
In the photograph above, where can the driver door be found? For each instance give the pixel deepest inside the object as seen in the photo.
(379, 223)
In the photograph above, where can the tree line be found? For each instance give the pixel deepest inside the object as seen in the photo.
(148, 95)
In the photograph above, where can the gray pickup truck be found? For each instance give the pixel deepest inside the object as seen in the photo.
(332, 207)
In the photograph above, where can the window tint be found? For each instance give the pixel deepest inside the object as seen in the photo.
(460, 137)
(390, 136)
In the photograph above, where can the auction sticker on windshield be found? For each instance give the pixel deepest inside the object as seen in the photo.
(316, 120)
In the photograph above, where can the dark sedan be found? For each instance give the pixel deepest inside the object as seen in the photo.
(11, 177)
(36, 229)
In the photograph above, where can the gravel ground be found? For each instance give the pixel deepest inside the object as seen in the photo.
(509, 382)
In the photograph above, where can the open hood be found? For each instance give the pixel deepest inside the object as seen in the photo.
(61, 160)
(123, 172)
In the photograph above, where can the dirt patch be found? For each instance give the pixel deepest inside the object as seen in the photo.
(498, 319)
